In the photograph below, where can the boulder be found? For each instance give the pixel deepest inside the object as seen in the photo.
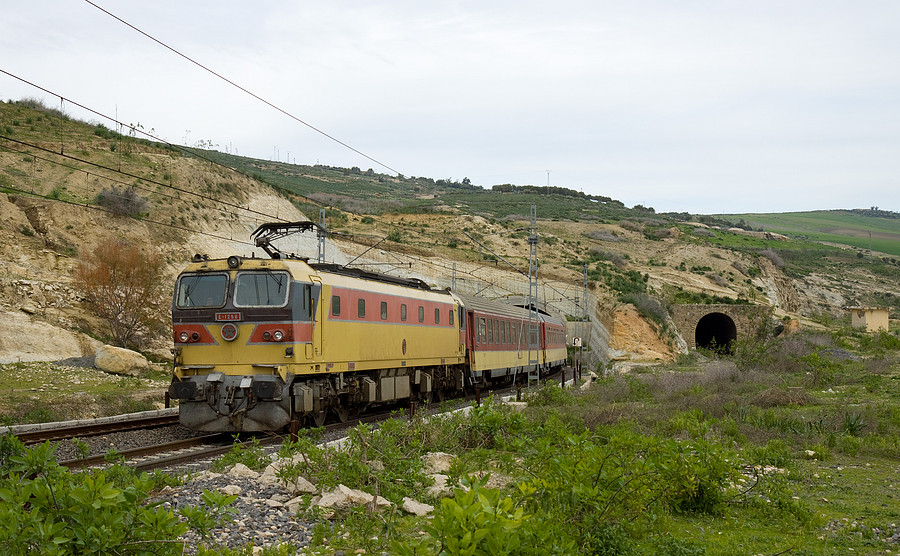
(25, 339)
(120, 361)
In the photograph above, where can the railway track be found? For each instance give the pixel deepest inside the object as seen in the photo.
(55, 432)
(180, 453)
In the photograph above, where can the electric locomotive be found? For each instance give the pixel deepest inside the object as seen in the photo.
(260, 343)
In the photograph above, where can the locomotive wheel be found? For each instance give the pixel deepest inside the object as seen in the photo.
(342, 412)
(318, 419)
(440, 395)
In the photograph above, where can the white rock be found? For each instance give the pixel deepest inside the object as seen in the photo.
(24, 339)
(439, 489)
(416, 508)
(274, 503)
(293, 505)
(438, 462)
(230, 490)
(120, 361)
(241, 471)
(342, 497)
(302, 486)
(206, 476)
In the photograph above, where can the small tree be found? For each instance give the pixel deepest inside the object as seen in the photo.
(122, 282)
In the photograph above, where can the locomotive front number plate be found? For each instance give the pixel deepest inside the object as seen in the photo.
(223, 317)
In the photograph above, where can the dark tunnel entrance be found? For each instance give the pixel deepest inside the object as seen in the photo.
(716, 332)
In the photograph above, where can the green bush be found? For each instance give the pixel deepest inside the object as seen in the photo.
(476, 522)
(48, 510)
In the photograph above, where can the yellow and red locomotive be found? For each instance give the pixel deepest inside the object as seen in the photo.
(260, 343)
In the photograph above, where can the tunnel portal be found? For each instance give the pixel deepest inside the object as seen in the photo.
(717, 332)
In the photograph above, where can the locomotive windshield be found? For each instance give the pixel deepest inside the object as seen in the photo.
(201, 290)
(261, 289)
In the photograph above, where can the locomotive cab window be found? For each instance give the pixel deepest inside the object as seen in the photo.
(261, 289)
(336, 305)
(201, 290)
(302, 303)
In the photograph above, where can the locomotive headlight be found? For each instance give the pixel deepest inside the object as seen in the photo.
(183, 337)
(278, 335)
(267, 335)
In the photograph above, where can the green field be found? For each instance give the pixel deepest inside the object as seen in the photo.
(860, 229)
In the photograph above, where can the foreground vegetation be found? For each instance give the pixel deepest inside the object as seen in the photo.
(788, 446)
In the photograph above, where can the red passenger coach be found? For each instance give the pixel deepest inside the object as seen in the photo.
(498, 343)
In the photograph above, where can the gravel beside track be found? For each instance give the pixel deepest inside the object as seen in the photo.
(126, 440)
(261, 516)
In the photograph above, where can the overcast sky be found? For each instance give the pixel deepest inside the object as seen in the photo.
(705, 107)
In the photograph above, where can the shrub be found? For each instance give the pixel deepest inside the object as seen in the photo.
(122, 202)
(774, 257)
(98, 512)
(123, 284)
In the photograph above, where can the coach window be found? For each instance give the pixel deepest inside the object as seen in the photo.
(335, 305)
(481, 333)
(361, 308)
(497, 331)
(437, 316)
(490, 331)
(509, 332)
(384, 310)
(502, 332)
(403, 312)
(421, 314)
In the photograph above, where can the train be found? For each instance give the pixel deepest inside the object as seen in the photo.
(263, 343)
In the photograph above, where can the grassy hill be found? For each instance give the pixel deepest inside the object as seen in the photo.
(864, 229)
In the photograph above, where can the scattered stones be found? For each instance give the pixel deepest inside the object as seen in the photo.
(342, 497)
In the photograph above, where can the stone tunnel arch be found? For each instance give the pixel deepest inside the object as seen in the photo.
(716, 331)
(725, 322)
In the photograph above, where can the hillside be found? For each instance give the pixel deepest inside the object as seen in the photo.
(54, 173)
(869, 229)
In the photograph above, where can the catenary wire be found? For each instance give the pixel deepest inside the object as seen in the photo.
(232, 83)
(214, 200)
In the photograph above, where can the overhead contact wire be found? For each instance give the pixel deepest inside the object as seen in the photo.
(233, 84)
